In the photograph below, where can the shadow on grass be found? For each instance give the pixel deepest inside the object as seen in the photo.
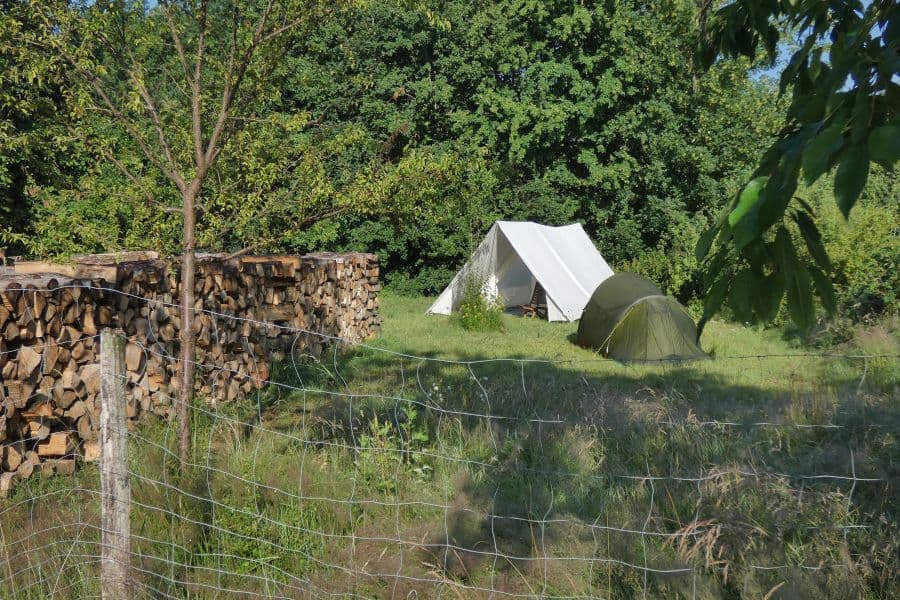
(673, 467)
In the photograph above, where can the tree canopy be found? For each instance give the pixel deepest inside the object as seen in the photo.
(571, 114)
(408, 128)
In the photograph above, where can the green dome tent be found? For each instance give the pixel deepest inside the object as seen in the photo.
(628, 318)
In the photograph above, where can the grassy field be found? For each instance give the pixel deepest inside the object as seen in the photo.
(441, 463)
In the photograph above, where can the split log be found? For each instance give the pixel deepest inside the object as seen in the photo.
(29, 360)
(41, 409)
(29, 463)
(91, 451)
(13, 455)
(85, 427)
(33, 267)
(76, 410)
(38, 430)
(58, 466)
(6, 483)
(58, 444)
(134, 358)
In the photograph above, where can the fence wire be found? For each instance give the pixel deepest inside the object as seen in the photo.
(373, 473)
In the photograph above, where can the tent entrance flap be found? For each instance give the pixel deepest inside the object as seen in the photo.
(514, 281)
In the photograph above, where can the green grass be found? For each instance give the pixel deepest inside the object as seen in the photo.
(485, 469)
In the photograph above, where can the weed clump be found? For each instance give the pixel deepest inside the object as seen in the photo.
(476, 312)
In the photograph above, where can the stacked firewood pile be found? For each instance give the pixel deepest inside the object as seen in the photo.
(248, 311)
(49, 372)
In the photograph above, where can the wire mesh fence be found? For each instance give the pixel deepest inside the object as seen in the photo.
(368, 472)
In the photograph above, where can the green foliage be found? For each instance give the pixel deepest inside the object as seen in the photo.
(428, 124)
(129, 101)
(420, 252)
(864, 249)
(36, 151)
(842, 116)
(411, 135)
(564, 113)
(393, 443)
(477, 312)
(671, 264)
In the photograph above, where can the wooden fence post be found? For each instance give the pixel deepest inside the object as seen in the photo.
(114, 481)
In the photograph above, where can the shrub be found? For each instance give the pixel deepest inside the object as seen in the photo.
(864, 249)
(477, 313)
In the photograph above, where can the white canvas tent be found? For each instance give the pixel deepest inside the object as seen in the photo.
(515, 255)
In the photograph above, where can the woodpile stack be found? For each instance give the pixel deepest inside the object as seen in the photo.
(312, 301)
(48, 370)
(247, 311)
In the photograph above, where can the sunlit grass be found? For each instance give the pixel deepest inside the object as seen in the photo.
(485, 469)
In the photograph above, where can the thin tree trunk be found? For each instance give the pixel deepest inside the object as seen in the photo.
(186, 391)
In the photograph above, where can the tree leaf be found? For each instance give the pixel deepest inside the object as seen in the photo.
(808, 108)
(767, 295)
(716, 294)
(860, 116)
(748, 198)
(819, 150)
(798, 58)
(797, 284)
(771, 39)
(778, 192)
(715, 266)
(704, 243)
(813, 239)
(755, 254)
(742, 290)
(884, 145)
(713, 300)
(743, 219)
(800, 298)
(851, 177)
(824, 290)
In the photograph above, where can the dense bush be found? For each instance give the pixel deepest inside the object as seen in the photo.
(864, 249)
